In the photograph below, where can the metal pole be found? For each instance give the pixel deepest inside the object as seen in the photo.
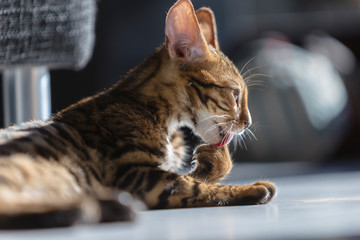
(26, 94)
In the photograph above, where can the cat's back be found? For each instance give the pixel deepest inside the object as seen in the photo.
(39, 139)
(18, 131)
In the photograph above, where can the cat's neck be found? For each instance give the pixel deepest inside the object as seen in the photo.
(148, 89)
(154, 83)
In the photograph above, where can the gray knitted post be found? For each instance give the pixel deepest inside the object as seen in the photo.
(41, 33)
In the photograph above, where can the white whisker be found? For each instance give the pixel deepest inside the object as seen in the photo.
(216, 125)
(214, 116)
(246, 134)
(242, 69)
(243, 141)
(251, 69)
(213, 127)
(246, 79)
(224, 130)
(252, 134)
(223, 139)
(235, 142)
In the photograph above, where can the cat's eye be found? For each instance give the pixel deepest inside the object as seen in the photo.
(236, 94)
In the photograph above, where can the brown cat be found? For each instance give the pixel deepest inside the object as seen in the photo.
(127, 138)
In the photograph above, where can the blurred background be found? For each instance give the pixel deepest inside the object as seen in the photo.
(300, 58)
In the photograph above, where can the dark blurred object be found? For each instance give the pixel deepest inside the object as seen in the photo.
(249, 19)
(55, 33)
(36, 35)
(302, 109)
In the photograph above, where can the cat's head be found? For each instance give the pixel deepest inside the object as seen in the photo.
(213, 86)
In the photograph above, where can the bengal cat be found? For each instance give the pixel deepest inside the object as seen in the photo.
(80, 165)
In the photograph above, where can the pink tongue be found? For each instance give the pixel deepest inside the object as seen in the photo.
(224, 141)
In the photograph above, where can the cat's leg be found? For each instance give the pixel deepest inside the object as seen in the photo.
(37, 193)
(161, 189)
(211, 164)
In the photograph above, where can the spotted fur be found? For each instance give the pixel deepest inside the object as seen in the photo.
(81, 163)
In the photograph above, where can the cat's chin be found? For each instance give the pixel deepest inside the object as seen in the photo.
(224, 140)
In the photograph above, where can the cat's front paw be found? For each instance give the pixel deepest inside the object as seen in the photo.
(260, 192)
(270, 187)
(211, 164)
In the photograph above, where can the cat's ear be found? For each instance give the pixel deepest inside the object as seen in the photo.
(206, 19)
(184, 39)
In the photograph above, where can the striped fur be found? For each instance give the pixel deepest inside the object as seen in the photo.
(126, 138)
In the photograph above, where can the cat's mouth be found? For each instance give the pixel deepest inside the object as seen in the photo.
(225, 136)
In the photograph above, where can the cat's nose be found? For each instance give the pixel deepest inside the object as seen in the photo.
(248, 121)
